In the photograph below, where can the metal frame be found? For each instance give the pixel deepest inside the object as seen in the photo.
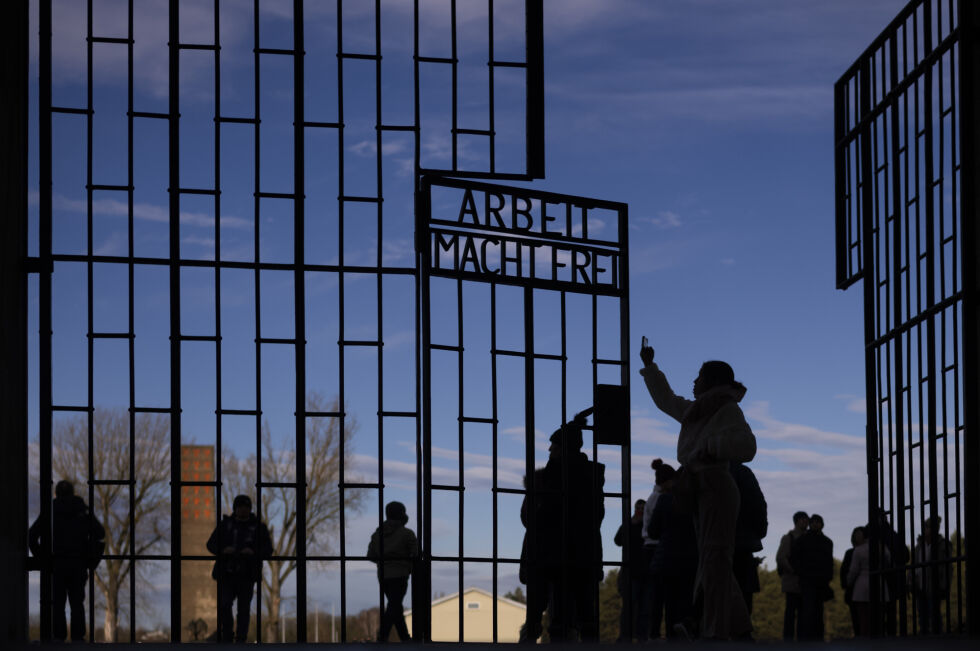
(175, 261)
(905, 148)
(430, 230)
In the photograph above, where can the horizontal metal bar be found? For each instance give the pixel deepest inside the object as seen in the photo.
(475, 174)
(151, 410)
(453, 227)
(441, 180)
(110, 39)
(474, 419)
(396, 127)
(610, 362)
(111, 482)
(355, 199)
(111, 188)
(70, 408)
(275, 484)
(233, 264)
(399, 414)
(447, 487)
(436, 60)
(231, 120)
(323, 414)
(533, 282)
(917, 319)
(275, 340)
(150, 114)
(198, 338)
(197, 191)
(474, 132)
(358, 342)
(274, 195)
(323, 125)
(354, 55)
(274, 50)
(360, 485)
(66, 109)
(198, 46)
(111, 335)
(455, 349)
(473, 559)
(206, 484)
(238, 412)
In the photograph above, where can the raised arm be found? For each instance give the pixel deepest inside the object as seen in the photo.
(663, 396)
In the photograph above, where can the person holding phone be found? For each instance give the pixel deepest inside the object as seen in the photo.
(713, 434)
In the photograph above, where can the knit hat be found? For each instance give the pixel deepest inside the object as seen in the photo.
(662, 471)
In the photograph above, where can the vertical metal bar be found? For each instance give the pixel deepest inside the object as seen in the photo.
(493, 135)
(461, 429)
(175, 352)
(341, 401)
(969, 108)
(455, 133)
(131, 326)
(531, 487)
(868, 287)
(299, 288)
(422, 209)
(13, 327)
(219, 398)
(44, 306)
(494, 426)
(89, 292)
(534, 132)
(841, 193)
(257, 243)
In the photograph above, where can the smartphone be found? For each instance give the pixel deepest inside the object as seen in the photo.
(644, 342)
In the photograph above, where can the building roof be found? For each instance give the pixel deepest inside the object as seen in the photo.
(470, 590)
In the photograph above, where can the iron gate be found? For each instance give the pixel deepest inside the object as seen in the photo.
(906, 179)
(530, 288)
(222, 238)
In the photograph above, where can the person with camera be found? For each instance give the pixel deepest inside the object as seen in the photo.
(241, 542)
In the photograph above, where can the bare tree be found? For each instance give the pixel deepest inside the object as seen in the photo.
(323, 501)
(110, 459)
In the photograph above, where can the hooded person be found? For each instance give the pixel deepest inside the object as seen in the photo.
(241, 542)
(78, 540)
(394, 549)
(713, 434)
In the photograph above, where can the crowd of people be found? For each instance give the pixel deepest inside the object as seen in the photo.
(689, 563)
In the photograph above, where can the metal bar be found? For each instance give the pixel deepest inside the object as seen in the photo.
(422, 210)
(256, 244)
(175, 344)
(969, 109)
(534, 131)
(340, 311)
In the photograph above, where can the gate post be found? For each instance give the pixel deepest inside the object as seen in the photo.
(13, 325)
(970, 239)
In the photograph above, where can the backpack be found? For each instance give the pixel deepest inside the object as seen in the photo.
(753, 513)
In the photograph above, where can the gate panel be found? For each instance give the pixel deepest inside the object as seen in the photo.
(511, 281)
(903, 226)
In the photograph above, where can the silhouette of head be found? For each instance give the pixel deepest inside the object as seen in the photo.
(567, 437)
(663, 472)
(816, 523)
(242, 506)
(713, 374)
(858, 536)
(396, 511)
(800, 515)
(64, 489)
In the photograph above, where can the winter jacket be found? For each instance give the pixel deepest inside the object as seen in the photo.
(677, 552)
(78, 538)
(753, 521)
(648, 512)
(923, 575)
(240, 534)
(637, 566)
(713, 428)
(401, 548)
(812, 557)
(859, 574)
(790, 580)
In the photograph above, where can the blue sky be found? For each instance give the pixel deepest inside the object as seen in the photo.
(713, 120)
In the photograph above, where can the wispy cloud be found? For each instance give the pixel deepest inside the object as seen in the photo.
(853, 403)
(767, 427)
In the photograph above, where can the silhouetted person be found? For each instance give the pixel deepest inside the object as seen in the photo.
(241, 542)
(652, 607)
(394, 548)
(856, 576)
(539, 567)
(675, 559)
(879, 531)
(630, 581)
(931, 578)
(713, 434)
(750, 530)
(788, 577)
(78, 540)
(568, 513)
(813, 559)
